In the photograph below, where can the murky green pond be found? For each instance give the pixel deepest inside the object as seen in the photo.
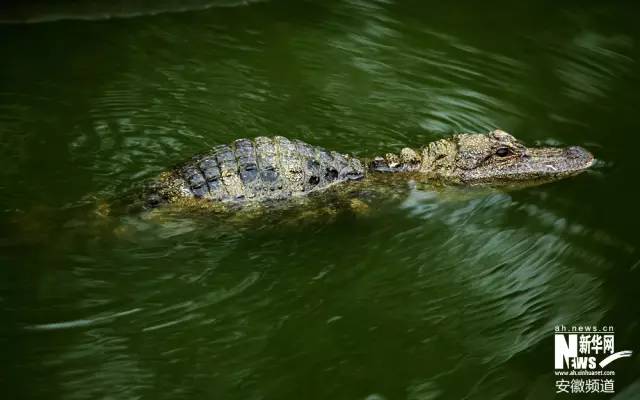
(441, 294)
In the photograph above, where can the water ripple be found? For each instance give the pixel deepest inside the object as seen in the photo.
(33, 12)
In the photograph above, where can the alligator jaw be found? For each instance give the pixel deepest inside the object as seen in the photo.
(535, 165)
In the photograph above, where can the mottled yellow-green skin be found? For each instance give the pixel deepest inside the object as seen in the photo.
(496, 158)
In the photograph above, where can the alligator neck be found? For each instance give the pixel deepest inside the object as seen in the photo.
(433, 159)
(408, 160)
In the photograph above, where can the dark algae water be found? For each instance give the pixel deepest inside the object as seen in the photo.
(441, 293)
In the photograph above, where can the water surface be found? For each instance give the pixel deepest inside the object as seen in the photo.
(440, 294)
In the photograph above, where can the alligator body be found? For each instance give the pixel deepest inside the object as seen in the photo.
(264, 169)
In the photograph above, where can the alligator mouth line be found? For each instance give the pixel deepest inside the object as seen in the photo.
(535, 165)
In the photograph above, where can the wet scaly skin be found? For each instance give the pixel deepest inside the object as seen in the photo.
(265, 171)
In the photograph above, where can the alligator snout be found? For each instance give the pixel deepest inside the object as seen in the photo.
(578, 158)
(577, 152)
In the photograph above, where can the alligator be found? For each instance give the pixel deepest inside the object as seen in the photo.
(266, 169)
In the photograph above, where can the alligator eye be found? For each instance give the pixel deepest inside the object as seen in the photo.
(503, 152)
(154, 200)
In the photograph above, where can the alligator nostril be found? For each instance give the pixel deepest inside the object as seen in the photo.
(575, 152)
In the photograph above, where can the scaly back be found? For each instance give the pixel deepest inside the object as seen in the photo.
(261, 168)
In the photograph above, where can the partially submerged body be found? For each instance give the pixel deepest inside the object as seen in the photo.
(269, 171)
(280, 181)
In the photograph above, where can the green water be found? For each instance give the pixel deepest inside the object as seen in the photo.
(438, 295)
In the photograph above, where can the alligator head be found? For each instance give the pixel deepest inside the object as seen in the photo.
(499, 158)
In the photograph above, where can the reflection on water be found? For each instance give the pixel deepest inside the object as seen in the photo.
(512, 276)
(595, 62)
(442, 293)
(37, 11)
